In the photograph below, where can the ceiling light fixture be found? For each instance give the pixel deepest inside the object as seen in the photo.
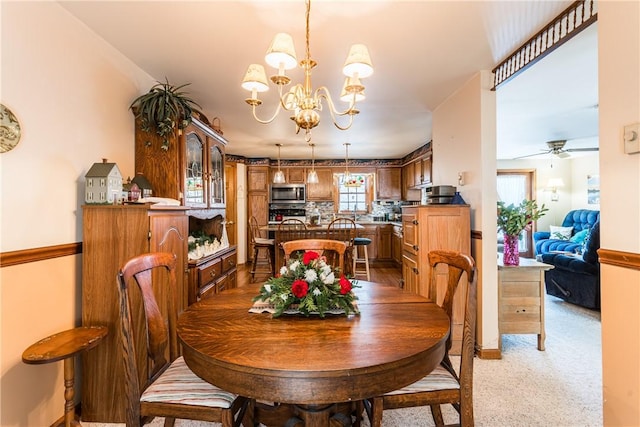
(348, 179)
(301, 99)
(278, 178)
(312, 178)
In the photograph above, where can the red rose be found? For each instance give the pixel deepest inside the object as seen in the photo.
(309, 256)
(345, 285)
(299, 288)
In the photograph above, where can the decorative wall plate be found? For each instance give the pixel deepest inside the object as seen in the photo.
(9, 130)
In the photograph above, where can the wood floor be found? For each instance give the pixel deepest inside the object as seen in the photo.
(381, 272)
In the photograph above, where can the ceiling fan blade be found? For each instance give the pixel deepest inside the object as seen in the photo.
(583, 149)
(531, 155)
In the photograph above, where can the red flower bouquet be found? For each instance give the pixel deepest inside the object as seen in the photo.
(308, 285)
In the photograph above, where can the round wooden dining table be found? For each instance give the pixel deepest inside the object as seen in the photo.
(313, 363)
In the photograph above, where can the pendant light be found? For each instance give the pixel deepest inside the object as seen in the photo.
(348, 179)
(278, 178)
(312, 178)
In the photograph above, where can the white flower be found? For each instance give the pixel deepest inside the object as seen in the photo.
(294, 265)
(267, 288)
(328, 279)
(283, 270)
(317, 291)
(284, 297)
(326, 269)
(310, 276)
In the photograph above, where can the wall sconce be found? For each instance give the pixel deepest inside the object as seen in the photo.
(553, 184)
(460, 179)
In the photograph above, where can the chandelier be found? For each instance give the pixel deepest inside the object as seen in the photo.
(304, 102)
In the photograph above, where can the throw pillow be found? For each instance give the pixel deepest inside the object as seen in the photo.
(560, 233)
(580, 236)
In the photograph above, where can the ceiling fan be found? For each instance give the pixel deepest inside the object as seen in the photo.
(557, 149)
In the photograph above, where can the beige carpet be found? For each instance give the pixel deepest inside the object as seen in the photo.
(561, 386)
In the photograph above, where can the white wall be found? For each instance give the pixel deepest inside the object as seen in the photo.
(464, 140)
(71, 93)
(619, 93)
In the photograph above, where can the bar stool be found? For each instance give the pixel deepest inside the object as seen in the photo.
(357, 260)
(64, 346)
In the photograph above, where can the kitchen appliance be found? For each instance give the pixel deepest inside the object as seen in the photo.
(440, 194)
(281, 211)
(288, 193)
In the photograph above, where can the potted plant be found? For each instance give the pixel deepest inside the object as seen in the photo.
(512, 221)
(163, 109)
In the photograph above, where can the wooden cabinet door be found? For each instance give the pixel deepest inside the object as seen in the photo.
(410, 274)
(258, 178)
(389, 183)
(169, 233)
(231, 217)
(323, 190)
(385, 233)
(297, 176)
(396, 245)
(370, 232)
(410, 232)
(426, 165)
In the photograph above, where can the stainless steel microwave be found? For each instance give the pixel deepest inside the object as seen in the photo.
(288, 193)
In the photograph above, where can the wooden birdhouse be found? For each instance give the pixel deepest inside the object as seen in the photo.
(103, 183)
(134, 192)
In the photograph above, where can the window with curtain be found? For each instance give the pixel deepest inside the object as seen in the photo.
(354, 198)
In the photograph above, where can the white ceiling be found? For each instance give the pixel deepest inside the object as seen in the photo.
(422, 52)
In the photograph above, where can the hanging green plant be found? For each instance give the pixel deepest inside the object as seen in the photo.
(164, 108)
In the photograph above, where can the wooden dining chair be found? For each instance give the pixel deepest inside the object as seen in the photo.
(158, 383)
(261, 243)
(443, 385)
(333, 250)
(344, 229)
(289, 229)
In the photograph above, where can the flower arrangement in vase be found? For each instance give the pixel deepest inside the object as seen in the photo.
(512, 221)
(308, 285)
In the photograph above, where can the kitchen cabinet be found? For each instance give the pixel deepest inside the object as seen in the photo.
(257, 197)
(388, 184)
(213, 274)
(409, 192)
(425, 228)
(396, 244)
(323, 190)
(292, 175)
(112, 234)
(190, 170)
(385, 233)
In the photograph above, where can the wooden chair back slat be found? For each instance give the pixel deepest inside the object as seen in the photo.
(333, 250)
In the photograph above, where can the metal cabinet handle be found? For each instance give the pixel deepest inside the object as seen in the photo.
(415, 248)
(415, 270)
(212, 274)
(414, 222)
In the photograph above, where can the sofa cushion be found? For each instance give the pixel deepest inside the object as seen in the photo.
(592, 244)
(579, 237)
(560, 233)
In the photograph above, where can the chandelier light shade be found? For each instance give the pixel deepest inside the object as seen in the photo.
(302, 100)
(278, 177)
(312, 178)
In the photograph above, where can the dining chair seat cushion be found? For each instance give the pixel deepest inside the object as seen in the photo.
(361, 241)
(438, 379)
(178, 384)
(263, 241)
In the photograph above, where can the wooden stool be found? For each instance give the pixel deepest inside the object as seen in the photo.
(361, 242)
(64, 346)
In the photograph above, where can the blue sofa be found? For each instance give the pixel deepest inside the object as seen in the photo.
(576, 279)
(579, 219)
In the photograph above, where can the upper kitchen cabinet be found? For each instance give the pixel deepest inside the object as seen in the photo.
(323, 190)
(388, 184)
(190, 169)
(292, 175)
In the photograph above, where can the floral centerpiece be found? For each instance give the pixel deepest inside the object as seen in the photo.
(308, 285)
(512, 221)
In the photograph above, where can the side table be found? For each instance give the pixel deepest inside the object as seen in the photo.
(521, 299)
(64, 346)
